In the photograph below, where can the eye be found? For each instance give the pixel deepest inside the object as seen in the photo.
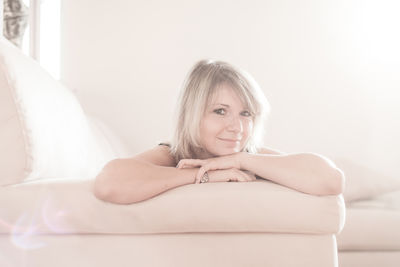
(245, 113)
(220, 111)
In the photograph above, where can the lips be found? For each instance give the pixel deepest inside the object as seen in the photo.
(230, 140)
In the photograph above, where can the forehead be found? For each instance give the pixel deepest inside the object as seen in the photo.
(226, 94)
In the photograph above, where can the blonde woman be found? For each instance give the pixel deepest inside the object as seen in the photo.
(217, 139)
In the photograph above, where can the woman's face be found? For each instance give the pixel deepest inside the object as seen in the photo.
(226, 124)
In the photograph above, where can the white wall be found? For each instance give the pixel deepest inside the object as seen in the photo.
(329, 68)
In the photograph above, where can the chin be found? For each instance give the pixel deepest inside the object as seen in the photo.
(225, 152)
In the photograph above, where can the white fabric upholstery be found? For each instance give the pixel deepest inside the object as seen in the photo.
(363, 182)
(375, 258)
(372, 225)
(170, 250)
(371, 229)
(371, 235)
(107, 140)
(60, 206)
(44, 132)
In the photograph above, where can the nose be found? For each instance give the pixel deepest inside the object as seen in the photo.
(235, 124)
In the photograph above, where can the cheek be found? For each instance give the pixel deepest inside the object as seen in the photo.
(247, 127)
(209, 129)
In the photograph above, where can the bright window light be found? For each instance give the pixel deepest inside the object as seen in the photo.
(25, 39)
(49, 53)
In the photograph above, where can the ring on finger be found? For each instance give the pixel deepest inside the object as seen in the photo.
(204, 178)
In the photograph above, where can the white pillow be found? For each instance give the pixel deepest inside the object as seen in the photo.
(105, 145)
(107, 139)
(43, 130)
(363, 182)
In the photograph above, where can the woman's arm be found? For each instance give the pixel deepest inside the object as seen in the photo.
(130, 180)
(126, 181)
(306, 172)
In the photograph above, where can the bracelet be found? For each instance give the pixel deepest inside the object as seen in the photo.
(204, 178)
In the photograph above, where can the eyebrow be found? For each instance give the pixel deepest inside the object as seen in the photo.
(225, 105)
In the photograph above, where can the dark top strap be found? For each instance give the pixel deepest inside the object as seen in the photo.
(164, 144)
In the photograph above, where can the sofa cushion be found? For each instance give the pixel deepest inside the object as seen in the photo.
(43, 130)
(107, 139)
(372, 225)
(363, 182)
(62, 206)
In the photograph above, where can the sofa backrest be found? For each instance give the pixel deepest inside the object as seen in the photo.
(44, 132)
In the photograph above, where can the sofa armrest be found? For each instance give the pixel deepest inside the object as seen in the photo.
(69, 206)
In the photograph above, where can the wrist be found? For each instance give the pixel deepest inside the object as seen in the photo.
(242, 159)
(187, 175)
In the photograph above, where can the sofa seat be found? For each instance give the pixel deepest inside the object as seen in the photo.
(214, 224)
(371, 236)
(61, 206)
(372, 224)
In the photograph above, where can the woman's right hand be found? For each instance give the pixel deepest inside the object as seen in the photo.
(230, 175)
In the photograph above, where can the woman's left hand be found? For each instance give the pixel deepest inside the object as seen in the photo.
(217, 163)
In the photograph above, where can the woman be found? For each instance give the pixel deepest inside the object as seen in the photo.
(217, 139)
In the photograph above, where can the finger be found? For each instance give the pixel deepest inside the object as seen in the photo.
(246, 176)
(189, 163)
(249, 176)
(186, 166)
(242, 176)
(181, 163)
(200, 174)
(202, 170)
(233, 175)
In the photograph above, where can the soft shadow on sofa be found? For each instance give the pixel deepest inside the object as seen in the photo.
(363, 182)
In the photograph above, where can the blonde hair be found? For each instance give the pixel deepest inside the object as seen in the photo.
(200, 86)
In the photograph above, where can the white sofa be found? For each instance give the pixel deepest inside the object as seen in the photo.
(371, 236)
(50, 151)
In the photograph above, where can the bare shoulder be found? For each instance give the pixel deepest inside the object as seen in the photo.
(159, 155)
(267, 150)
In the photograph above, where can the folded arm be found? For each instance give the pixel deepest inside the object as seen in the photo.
(306, 172)
(130, 180)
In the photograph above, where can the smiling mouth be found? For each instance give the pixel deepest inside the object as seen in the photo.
(229, 140)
